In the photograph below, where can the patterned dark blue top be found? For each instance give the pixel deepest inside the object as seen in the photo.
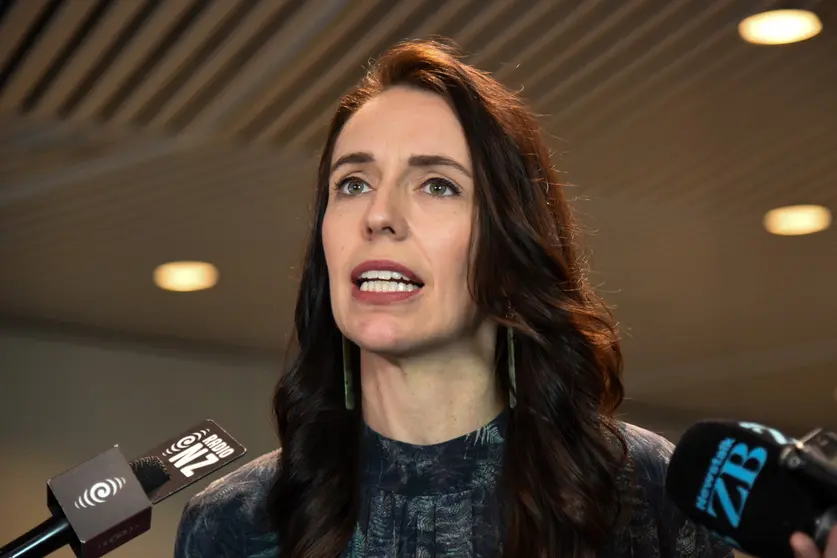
(435, 501)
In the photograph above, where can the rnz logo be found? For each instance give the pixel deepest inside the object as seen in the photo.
(99, 492)
(730, 479)
(188, 449)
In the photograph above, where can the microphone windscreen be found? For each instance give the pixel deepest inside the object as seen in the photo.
(729, 479)
(151, 472)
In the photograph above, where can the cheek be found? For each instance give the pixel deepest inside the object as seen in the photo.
(452, 265)
(333, 246)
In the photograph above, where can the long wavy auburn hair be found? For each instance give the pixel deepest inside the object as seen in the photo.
(558, 488)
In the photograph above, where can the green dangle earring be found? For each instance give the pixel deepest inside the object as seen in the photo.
(511, 368)
(348, 377)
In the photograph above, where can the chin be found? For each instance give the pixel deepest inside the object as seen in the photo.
(382, 338)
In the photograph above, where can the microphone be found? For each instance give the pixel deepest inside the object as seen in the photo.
(106, 501)
(56, 531)
(754, 487)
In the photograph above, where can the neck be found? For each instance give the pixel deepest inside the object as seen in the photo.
(435, 397)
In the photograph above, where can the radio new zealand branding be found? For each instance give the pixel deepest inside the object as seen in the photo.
(204, 448)
(99, 493)
(197, 450)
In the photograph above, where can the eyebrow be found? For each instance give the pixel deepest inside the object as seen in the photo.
(413, 161)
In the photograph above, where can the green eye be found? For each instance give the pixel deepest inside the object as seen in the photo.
(352, 187)
(440, 187)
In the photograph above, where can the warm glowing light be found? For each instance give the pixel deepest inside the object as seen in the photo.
(796, 220)
(186, 276)
(779, 27)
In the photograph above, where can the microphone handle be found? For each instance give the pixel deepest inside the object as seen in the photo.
(825, 523)
(40, 541)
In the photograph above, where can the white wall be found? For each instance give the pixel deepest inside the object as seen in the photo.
(63, 401)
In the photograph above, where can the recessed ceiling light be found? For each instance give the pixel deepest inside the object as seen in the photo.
(779, 27)
(186, 276)
(795, 220)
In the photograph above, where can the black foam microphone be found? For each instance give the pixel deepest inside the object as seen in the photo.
(106, 501)
(754, 487)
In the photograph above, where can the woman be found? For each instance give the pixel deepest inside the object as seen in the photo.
(456, 379)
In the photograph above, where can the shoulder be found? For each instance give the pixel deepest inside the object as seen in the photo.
(642, 479)
(648, 457)
(656, 527)
(228, 518)
(649, 451)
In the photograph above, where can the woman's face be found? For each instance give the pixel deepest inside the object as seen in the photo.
(397, 228)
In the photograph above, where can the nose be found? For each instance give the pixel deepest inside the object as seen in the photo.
(385, 215)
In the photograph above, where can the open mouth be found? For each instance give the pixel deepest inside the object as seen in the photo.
(384, 281)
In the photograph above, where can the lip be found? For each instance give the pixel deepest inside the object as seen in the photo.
(372, 297)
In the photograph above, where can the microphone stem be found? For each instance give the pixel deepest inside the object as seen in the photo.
(40, 541)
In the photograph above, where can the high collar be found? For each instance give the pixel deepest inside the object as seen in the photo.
(463, 463)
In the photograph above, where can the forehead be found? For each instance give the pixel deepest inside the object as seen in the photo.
(401, 122)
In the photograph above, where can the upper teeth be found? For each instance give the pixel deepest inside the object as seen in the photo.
(383, 275)
(385, 281)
